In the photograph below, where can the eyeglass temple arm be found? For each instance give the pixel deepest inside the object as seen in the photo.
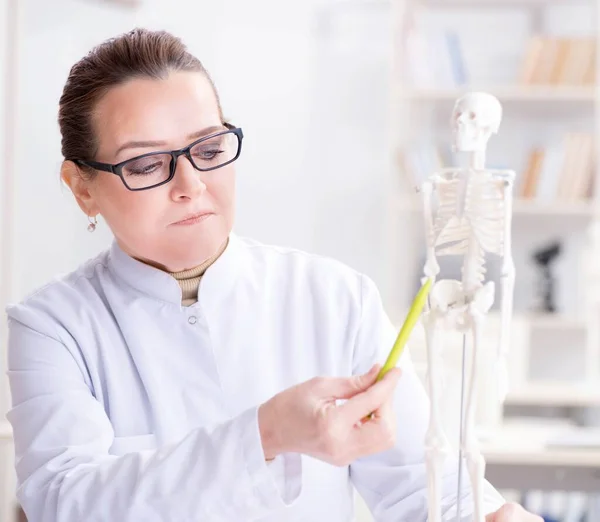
(95, 165)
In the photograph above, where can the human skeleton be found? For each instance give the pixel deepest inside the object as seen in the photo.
(472, 218)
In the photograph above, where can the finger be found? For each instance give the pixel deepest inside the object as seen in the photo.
(371, 399)
(385, 410)
(379, 433)
(505, 514)
(381, 411)
(347, 387)
(511, 512)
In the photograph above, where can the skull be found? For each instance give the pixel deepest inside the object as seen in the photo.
(475, 118)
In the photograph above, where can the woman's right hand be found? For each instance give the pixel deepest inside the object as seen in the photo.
(307, 419)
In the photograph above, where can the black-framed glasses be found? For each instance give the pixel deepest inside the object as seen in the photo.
(157, 168)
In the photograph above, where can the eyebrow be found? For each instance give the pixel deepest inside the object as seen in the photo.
(146, 144)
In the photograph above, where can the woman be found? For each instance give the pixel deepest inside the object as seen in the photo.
(186, 373)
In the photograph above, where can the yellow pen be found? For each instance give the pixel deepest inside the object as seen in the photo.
(409, 323)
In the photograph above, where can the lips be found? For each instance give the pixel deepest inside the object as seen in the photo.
(193, 218)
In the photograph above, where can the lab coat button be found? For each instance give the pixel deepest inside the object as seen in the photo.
(192, 319)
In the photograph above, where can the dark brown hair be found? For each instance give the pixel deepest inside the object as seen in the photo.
(139, 53)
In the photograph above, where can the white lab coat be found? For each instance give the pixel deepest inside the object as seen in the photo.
(129, 407)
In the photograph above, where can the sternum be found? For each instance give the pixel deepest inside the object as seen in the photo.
(461, 194)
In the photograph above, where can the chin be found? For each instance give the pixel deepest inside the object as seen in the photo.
(194, 250)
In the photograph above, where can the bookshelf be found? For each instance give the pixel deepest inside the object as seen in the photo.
(492, 3)
(511, 93)
(558, 180)
(556, 322)
(554, 394)
(585, 210)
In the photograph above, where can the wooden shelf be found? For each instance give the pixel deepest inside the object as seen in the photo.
(555, 322)
(509, 93)
(555, 208)
(576, 209)
(555, 394)
(495, 3)
(528, 443)
(542, 457)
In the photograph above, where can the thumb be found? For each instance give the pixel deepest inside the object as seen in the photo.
(507, 513)
(367, 402)
(347, 387)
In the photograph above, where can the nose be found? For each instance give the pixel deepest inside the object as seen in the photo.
(187, 182)
(462, 118)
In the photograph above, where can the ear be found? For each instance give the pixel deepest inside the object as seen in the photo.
(80, 187)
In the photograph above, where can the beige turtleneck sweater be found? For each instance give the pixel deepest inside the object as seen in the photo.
(189, 280)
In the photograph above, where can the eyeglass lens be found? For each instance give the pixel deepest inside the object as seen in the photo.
(154, 169)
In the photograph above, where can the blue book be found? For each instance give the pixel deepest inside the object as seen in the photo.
(456, 58)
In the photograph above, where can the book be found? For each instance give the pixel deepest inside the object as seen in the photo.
(551, 60)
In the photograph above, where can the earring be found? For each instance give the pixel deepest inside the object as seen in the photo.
(92, 226)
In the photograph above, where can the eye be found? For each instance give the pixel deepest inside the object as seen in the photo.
(144, 166)
(472, 115)
(205, 153)
(208, 150)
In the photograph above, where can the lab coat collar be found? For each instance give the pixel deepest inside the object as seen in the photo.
(216, 282)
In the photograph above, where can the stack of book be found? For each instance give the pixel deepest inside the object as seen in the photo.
(561, 172)
(435, 60)
(552, 60)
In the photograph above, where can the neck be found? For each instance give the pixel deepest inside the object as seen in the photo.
(201, 268)
(189, 279)
(477, 159)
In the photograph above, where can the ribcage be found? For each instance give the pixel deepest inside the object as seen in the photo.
(474, 210)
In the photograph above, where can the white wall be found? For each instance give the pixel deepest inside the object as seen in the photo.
(3, 14)
(312, 171)
(307, 177)
(50, 231)
(7, 475)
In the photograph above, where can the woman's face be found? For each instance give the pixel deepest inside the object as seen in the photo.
(147, 115)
